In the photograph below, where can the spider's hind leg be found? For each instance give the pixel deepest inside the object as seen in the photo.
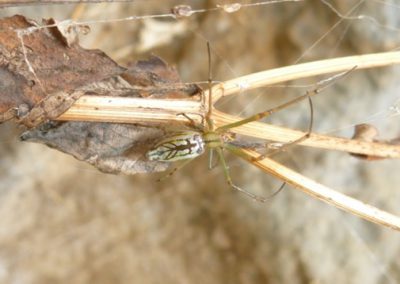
(174, 170)
(231, 184)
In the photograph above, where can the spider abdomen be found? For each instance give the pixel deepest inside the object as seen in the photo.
(180, 146)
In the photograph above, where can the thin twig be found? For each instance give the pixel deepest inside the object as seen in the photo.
(286, 135)
(304, 70)
(132, 110)
(136, 110)
(326, 194)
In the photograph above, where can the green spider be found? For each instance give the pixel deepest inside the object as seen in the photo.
(187, 145)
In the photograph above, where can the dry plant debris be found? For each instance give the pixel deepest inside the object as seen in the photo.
(44, 73)
(51, 74)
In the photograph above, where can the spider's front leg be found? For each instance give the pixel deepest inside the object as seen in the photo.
(298, 140)
(282, 147)
(321, 85)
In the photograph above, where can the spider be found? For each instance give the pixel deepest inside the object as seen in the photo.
(187, 145)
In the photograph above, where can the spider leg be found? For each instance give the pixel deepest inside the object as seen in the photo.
(321, 85)
(268, 112)
(210, 122)
(231, 184)
(178, 167)
(298, 140)
(192, 122)
(211, 165)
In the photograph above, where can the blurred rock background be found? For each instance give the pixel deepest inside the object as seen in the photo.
(62, 221)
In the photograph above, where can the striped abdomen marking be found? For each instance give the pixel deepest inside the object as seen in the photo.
(181, 146)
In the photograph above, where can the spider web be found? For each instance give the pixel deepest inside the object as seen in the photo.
(251, 39)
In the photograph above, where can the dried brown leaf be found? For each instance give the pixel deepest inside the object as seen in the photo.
(163, 80)
(45, 71)
(35, 65)
(66, 31)
(110, 147)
